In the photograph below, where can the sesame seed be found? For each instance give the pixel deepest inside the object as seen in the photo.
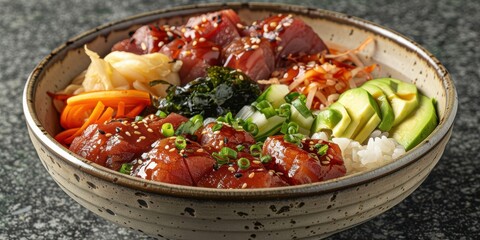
(137, 132)
(279, 48)
(287, 24)
(194, 43)
(128, 133)
(251, 175)
(325, 162)
(170, 34)
(167, 147)
(215, 49)
(171, 149)
(240, 26)
(256, 162)
(278, 38)
(160, 44)
(200, 150)
(231, 169)
(202, 39)
(149, 130)
(295, 67)
(215, 25)
(244, 185)
(204, 19)
(142, 137)
(108, 135)
(139, 161)
(143, 46)
(220, 143)
(254, 46)
(241, 77)
(135, 127)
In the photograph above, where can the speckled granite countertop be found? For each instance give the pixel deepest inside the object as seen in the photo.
(445, 206)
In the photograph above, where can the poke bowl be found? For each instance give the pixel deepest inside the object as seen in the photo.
(290, 208)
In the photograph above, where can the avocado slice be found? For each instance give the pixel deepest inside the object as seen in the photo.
(386, 110)
(326, 119)
(361, 107)
(342, 125)
(416, 127)
(402, 96)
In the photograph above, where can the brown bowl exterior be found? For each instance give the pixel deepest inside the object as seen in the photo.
(179, 212)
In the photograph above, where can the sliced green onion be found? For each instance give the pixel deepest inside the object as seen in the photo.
(289, 128)
(228, 118)
(243, 163)
(180, 143)
(285, 110)
(266, 108)
(265, 158)
(321, 149)
(302, 108)
(138, 118)
(295, 138)
(228, 152)
(251, 127)
(240, 148)
(219, 158)
(217, 127)
(197, 118)
(190, 126)
(256, 150)
(291, 96)
(161, 114)
(126, 168)
(167, 130)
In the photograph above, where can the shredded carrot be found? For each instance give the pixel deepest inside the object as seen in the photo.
(120, 109)
(98, 107)
(65, 134)
(137, 110)
(97, 112)
(107, 115)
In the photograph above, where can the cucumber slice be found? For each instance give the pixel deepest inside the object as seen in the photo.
(266, 126)
(304, 123)
(275, 94)
(246, 112)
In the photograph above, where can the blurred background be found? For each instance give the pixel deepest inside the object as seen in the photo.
(446, 205)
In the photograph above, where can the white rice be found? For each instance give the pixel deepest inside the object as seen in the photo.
(378, 151)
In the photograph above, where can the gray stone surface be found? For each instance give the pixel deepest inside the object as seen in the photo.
(446, 205)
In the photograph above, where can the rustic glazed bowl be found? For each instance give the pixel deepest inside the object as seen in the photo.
(180, 212)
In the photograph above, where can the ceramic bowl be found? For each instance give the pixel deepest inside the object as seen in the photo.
(180, 212)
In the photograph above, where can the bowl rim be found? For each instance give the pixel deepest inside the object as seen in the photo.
(173, 190)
